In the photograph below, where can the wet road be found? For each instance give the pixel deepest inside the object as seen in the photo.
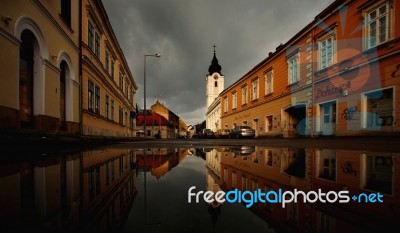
(143, 186)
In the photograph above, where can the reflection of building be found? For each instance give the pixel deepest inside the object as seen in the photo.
(173, 119)
(271, 169)
(108, 181)
(39, 78)
(108, 87)
(88, 191)
(358, 172)
(339, 75)
(312, 169)
(159, 161)
(41, 193)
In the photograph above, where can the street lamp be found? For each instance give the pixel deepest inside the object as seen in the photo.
(144, 91)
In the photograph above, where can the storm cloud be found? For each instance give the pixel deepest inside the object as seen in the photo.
(184, 31)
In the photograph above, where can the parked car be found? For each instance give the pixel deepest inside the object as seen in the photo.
(243, 150)
(222, 133)
(242, 131)
(206, 133)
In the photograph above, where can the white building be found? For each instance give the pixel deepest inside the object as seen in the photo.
(214, 86)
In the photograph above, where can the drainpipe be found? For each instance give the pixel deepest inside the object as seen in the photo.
(80, 68)
(313, 120)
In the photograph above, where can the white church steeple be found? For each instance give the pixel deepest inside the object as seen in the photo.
(214, 81)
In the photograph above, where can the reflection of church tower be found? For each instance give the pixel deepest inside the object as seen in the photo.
(214, 81)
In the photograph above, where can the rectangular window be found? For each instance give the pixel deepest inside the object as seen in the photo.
(328, 118)
(225, 175)
(121, 81)
(244, 183)
(97, 100)
(107, 62)
(269, 82)
(379, 108)
(269, 124)
(234, 179)
(90, 96)
(66, 11)
(379, 173)
(244, 95)
(254, 90)
(112, 109)
(121, 115)
(327, 165)
(326, 50)
(293, 69)
(234, 100)
(90, 35)
(226, 104)
(377, 26)
(97, 45)
(107, 106)
(126, 90)
(112, 69)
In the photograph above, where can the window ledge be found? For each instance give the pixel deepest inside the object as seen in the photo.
(293, 84)
(268, 95)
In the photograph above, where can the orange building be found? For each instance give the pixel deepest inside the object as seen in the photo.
(340, 75)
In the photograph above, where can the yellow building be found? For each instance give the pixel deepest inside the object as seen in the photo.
(39, 62)
(108, 87)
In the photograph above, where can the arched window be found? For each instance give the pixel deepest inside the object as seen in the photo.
(26, 55)
(215, 84)
(63, 67)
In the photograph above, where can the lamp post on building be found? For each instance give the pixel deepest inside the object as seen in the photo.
(144, 89)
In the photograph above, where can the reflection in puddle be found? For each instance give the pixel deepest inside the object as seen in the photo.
(141, 190)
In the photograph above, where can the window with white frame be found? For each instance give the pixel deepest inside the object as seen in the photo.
(327, 164)
(234, 100)
(244, 95)
(379, 108)
(254, 89)
(379, 173)
(326, 52)
(377, 26)
(226, 104)
(269, 83)
(293, 69)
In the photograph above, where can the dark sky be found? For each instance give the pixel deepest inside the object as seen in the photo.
(183, 32)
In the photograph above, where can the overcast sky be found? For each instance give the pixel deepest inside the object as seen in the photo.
(184, 31)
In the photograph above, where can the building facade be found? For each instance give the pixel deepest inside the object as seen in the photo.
(39, 82)
(214, 86)
(172, 118)
(108, 87)
(338, 76)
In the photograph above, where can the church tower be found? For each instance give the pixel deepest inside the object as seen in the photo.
(214, 81)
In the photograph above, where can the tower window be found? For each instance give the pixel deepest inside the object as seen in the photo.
(215, 84)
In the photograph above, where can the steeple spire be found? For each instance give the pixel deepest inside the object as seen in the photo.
(214, 67)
